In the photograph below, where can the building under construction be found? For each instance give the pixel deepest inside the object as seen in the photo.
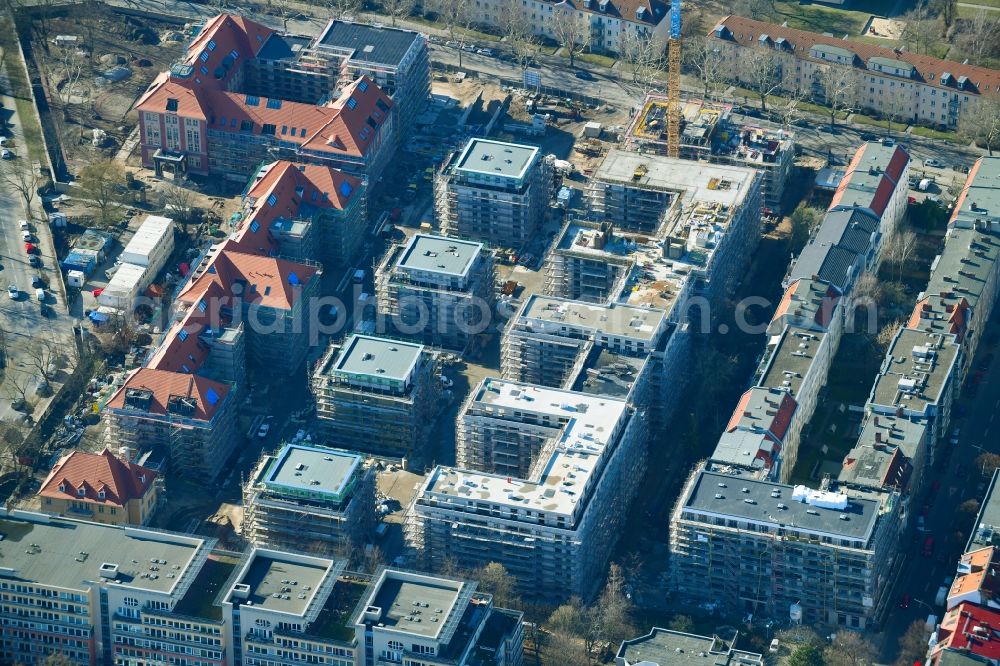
(377, 395)
(547, 479)
(494, 192)
(310, 499)
(586, 263)
(709, 133)
(189, 417)
(439, 290)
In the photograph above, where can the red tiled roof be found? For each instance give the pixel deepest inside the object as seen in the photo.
(214, 46)
(263, 280)
(164, 383)
(655, 10)
(187, 349)
(120, 480)
(960, 200)
(780, 419)
(164, 88)
(823, 314)
(974, 629)
(351, 130)
(746, 32)
(887, 183)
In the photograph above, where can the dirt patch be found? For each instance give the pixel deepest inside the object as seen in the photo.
(94, 64)
(884, 28)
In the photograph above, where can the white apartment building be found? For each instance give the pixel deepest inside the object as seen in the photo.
(926, 89)
(549, 478)
(612, 23)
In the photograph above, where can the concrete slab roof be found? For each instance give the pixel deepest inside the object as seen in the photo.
(416, 604)
(917, 367)
(496, 158)
(312, 469)
(282, 582)
(547, 314)
(378, 357)
(66, 553)
(792, 358)
(439, 254)
(663, 647)
(744, 498)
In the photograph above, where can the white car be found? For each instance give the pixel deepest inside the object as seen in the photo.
(23, 224)
(6, 154)
(13, 292)
(263, 430)
(25, 235)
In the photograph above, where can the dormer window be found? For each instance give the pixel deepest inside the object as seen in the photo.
(80, 492)
(101, 494)
(62, 487)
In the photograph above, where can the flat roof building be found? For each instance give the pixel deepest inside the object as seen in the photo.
(494, 191)
(663, 647)
(553, 461)
(376, 395)
(310, 499)
(437, 289)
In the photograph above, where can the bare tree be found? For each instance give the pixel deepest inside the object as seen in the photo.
(896, 106)
(494, 579)
(646, 58)
(978, 36)
(763, 71)
(70, 68)
(42, 354)
(980, 120)
(17, 388)
(117, 335)
(899, 248)
(704, 56)
(842, 88)
(457, 16)
(913, 644)
(179, 200)
(612, 614)
(564, 648)
(759, 10)
(12, 444)
(23, 179)
(921, 29)
(397, 9)
(519, 33)
(341, 9)
(571, 30)
(103, 183)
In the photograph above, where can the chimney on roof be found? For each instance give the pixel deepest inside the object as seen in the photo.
(878, 438)
(876, 420)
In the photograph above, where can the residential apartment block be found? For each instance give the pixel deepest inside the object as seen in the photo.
(661, 647)
(610, 25)
(494, 192)
(100, 487)
(439, 290)
(199, 118)
(314, 213)
(310, 499)
(545, 480)
(190, 418)
(818, 557)
(128, 596)
(377, 395)
(931, 91)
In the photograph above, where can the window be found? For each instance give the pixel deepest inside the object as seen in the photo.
(254, 227)
(268, 129)
(204, 56)
(274, 103)
(222, 121)
(284, 130)
(352, 103)
(395, 645)
(203, 70)
(252, 100)
(234, 54)
(183, 335)
(272, 200)
(186, 370)
(363, 86)
(246, 126)
(81, 492)
(202, 306)
(302, 132)
(211, 45)
(172, 104)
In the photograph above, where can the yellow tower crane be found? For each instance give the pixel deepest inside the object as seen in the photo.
(674, 81)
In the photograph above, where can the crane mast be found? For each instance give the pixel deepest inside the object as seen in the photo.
(674, 81)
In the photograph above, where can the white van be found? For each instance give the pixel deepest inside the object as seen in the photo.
(40, 295)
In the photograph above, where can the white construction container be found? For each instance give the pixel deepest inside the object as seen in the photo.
(75, 278)
(151, 245)
(592, 130)
(124, 287)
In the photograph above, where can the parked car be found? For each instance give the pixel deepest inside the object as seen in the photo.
(934, 163)
(263, 430)
(904, 601)
(13, 292)
(24, 225)
(485, 52)
(34, 261)
(36, 281)
(868, 136)
(6, 154)
(583, 74)
(451, 43)
(887, 141)
(29, 248)
(928, 549)
(469, 48)
(40, 295)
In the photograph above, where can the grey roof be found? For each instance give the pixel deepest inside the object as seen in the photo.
(68, 553)
(282, 47)
(664, 647)
(833, 50)
(612, 374)
(439, 254)
(951, 657)
(981, 201)
(891, 62)
(987, 529)
(417, 604)
(273, 576)
(367, 43)
(378, 357)
(916, 369)
(759, 504)
(843, 235)
(807, 303)
(792, 359)
(965, 264)
(884, 452)
(549, 314)
(498, 158)
(312, 469)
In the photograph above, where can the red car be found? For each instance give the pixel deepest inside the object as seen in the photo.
(29, 248)
(928, 547)
(904, 601)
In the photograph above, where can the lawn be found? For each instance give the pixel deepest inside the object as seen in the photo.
(31, 130)
(951, 137)
(821, 19)
(597, 59)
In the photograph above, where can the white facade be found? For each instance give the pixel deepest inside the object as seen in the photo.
(125, 286)
(151, 245)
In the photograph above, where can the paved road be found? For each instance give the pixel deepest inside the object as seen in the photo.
(959, 480)
(21, 320)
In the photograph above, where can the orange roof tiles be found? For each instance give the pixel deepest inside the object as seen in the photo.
(163, 384)
(746, 32)
(119, 480)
